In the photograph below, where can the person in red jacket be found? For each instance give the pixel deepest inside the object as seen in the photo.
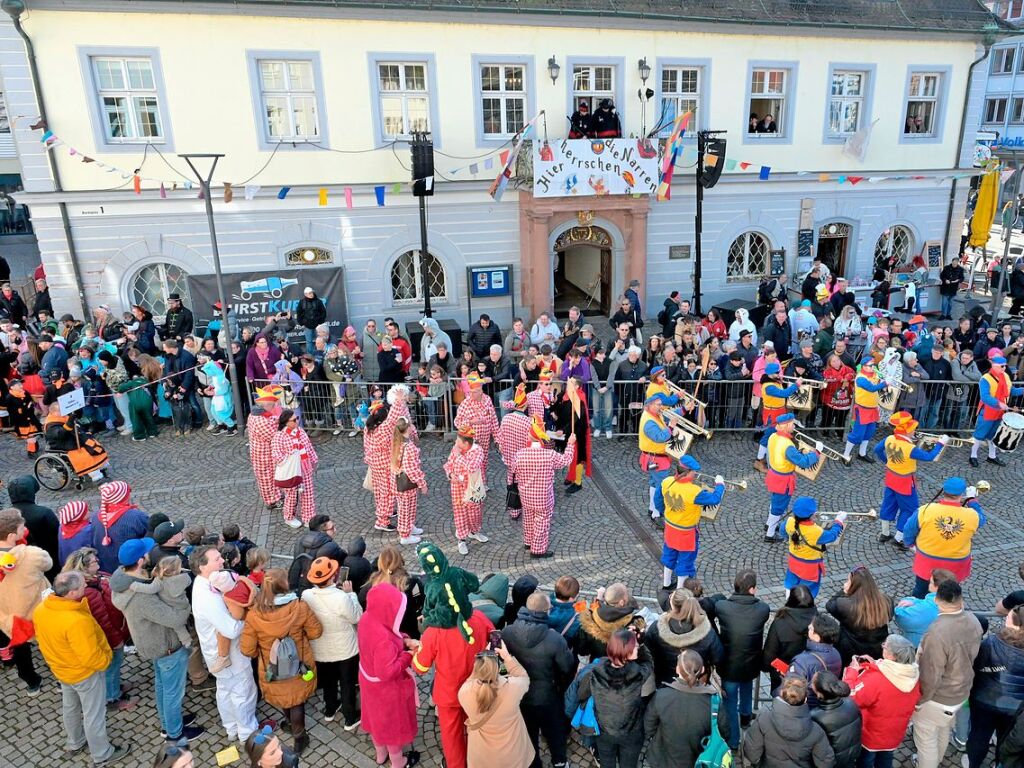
(886, 691)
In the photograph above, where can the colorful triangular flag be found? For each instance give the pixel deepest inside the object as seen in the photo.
(730, 164)
(163, 191)
(229, 193)
(282, 193)
(379, 193)
(137, 184)
(823, 177)
(765, 172)
(396, 188)
(503, 157)
(744, 165)
(323, 196)
(251, 190)
(488, 163)
(474, 168)
(348, 197)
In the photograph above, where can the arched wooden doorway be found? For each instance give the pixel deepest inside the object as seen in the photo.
(582, 273)
(833, 246)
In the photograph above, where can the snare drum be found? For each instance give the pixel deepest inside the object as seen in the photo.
(1010, 431)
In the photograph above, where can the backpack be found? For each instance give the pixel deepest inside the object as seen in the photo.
(663, 317)
(285, 662)
(715, 752)
(297, 573)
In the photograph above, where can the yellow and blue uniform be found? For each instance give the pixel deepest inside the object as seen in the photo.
(865, 407)
(899, 500)
(783, 459)
(661, 389)
(683, 502)
(773, 399)
(807, 541)
(994, 388)
(942, 532)
(653, 441)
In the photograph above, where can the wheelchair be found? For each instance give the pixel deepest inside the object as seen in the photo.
(55, 470)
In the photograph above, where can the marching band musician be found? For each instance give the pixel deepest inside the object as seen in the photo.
(683, 502)
(773, 405)
(807, 543)
(658, 386)
(653, 440)
(867, 385)
(901, 454)
(942, 531)
(783, 459)
(995, 389)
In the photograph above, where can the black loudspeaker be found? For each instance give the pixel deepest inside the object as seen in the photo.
(422, 165)
(710, 174)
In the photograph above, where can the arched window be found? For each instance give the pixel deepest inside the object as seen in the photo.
(895, 246)
(153, 283)
(407, 280)
(748, 257)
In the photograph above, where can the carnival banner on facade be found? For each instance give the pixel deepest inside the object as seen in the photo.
(589, 167)
(254, 296)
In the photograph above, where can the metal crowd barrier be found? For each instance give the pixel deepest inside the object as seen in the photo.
(616, 406)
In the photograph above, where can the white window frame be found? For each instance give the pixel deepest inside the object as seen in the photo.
(843, 99)
(289, 93)
(994, 112)
(164, 283)
(131, 94)
(593, 95)
(939, 98)
(785, 114)
(414, 254)
(503, 96)
(747, 275)
(405, 94)
(1003, 60)
(678, 97)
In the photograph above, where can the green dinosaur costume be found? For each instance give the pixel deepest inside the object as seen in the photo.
(446, 592)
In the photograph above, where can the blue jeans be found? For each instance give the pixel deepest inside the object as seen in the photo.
(739, 700)
(930, 413)
(170, 673)
(197, 410)
(947, 306)
(310, 334)
(869, 759)
(432, 405)
(601, 418)
(113, 674)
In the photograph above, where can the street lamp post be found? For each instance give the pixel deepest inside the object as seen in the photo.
(204, 182)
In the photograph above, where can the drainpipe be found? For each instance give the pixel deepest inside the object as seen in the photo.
(14, 9)
(987, 41)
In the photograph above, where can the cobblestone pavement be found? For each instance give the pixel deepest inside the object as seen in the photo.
(600, 535)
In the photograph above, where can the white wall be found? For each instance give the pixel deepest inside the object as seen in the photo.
(582, 266)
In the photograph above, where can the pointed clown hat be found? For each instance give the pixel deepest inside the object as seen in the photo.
(537, 431)
(903, 423)
(519, 398)
(474, 381)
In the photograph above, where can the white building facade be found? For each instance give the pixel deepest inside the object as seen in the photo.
(321, 98)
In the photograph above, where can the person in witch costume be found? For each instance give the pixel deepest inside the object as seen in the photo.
(579, 123)
(453, 636)
(571, 416)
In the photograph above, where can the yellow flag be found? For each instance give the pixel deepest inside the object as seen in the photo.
(323, 195)
(985, 209)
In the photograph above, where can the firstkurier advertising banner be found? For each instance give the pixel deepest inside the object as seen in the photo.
(253, 296)
(591, 167)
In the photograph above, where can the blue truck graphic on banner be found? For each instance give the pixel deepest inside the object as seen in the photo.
(268, 286)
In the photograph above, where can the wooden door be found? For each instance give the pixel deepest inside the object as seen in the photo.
(606, 281)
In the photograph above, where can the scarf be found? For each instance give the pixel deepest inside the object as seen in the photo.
(284, 599)
(114, 502)
(74, 516)
(297, 442)
(262, 353)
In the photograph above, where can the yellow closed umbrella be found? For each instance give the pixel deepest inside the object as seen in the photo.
(985, 209)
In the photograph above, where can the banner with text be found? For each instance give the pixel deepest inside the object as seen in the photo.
(254, 296)
(589, 167)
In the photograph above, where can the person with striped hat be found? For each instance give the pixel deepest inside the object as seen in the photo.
(75, 529)
(867, 385)
(261, 428)
(514, 435)
(684, 501)
(807, 545)
(783, 459)
(534, 469)
(901, 454)
(464, 469)
(118, 520)
(773, 405)
(995, 389)
(477, 412)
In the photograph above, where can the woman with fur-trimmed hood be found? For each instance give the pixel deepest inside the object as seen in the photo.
(683, 627)
(614, 610)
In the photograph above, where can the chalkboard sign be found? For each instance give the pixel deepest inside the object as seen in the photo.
(934, 248)
(777, 264)
(805, 244)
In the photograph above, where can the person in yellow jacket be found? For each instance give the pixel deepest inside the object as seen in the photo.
(684, 501)
(77, 651)
(807, 545)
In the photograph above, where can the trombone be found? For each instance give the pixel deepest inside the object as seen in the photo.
(812, 383)
(900, 386)
(690, 399)
(826, 451)
(740, 485)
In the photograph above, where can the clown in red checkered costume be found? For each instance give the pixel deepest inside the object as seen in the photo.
(261, 428)
(542, 398)
(377, 437)
(477, 413)
(466, 458)
(514, 435)
(405, 457)
(534, 469)
(290, 438)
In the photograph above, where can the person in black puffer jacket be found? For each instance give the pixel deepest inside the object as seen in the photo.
(309, 547)
(678, 719)
(550, 664)
(838, 716)
(787, 635)
(521, 590)
(785, 736)
(998, 690)
(359, 568)
(863, 612)
(615, 611)
(684, 626)
(621, 683)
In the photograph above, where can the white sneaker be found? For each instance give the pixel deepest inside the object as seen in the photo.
(125, 432)
(463, 547)
(479, 537)
(211, 428)
(407, 541)
(608, 434)
(429, 428)
(655, 514)
(293, 523)
(597, 433)
(416, 531)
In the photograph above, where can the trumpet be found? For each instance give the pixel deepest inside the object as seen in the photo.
(831, 453)
(951, 442)
(740, 485)
(688, 397)
(871, 514)
(812, 383)
(901, 386)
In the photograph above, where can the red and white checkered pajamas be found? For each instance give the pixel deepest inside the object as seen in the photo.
(534, 468)
(513, 435)
(536, 405)
(282, 445)
(261, 429)
(480, 415)
(458, 467)
(407, 499)
(377, 455)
